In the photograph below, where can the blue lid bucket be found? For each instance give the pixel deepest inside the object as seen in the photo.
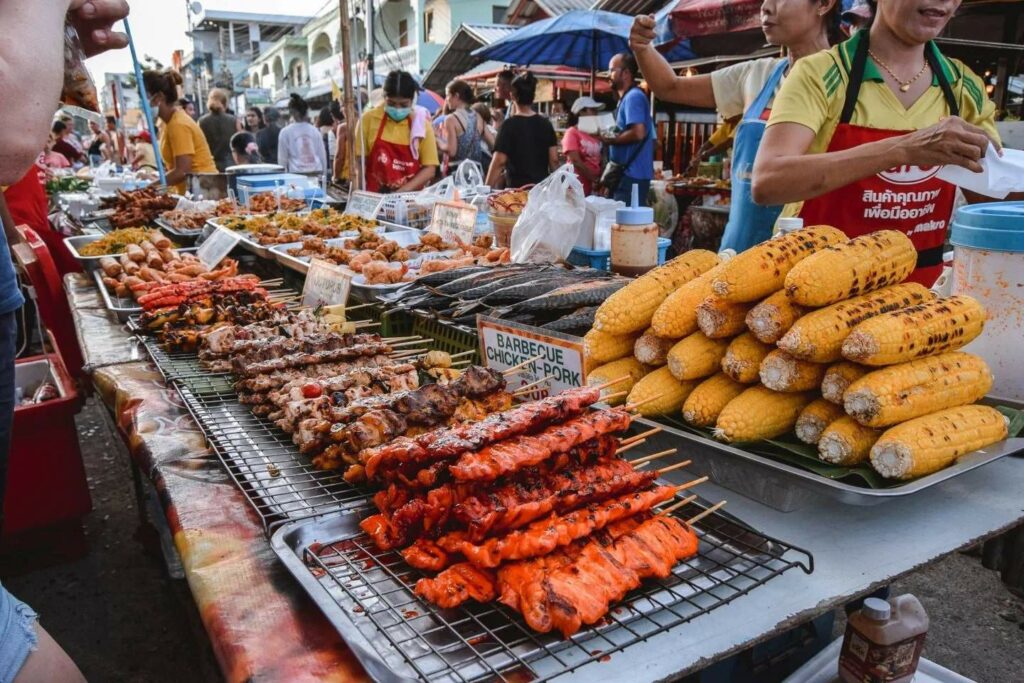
(998, 226)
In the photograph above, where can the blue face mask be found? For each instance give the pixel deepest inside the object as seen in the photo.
(398, 113)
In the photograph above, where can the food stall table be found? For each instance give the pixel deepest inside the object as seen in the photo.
(263, 627)
(687, 236)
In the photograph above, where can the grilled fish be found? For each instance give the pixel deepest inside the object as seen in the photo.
(581, 319)
(574, 295)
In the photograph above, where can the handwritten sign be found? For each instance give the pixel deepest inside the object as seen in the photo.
(505, 344)
(218, 245)
(326, 284)
(454, 221)
(364, 204)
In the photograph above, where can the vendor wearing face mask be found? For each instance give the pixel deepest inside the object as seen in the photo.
(397, 140)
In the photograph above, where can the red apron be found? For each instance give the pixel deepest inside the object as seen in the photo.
(906, 198)
(390, 165)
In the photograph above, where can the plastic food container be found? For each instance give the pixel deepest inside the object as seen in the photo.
(988, 264)
(600, 258)
(634, 239)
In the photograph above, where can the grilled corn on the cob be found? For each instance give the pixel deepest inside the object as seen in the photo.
(629, 368)
(838, 379)
(706, 402)
(813, 419)
(760, 413)
(782, 372)
(696, 356)
(676, 317)
(846, 442)
(743, 357)
(773, 317)
(601, 347)
(717, 318)
(651, 349)
(659, 393)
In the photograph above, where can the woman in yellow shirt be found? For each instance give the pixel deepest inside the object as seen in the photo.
(182, 144)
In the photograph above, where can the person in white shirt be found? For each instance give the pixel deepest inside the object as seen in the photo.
(300, 148)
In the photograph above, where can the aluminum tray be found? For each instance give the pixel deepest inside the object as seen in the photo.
(122, 308)
(403, 236)
(183, 237)
(91, 263)
(246, 241)
(786, 488)
(367, 595)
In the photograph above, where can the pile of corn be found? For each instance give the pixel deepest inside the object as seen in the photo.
(811, 333)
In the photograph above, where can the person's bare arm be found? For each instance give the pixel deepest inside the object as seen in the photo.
(695, 91)
(552, 158)
(486, 133)
(784, 172)
(340, 151)
(581, 168)
(418, 181)
(451, 137)
(635, 133)
(182, 167)
(496, 172)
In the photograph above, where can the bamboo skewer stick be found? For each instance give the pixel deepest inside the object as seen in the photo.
(357, 307)
(691, 484)
(623, 449)
(610, 383)
(398, 339)
(271, 282)
(654, 456)
(617, 394)
(675, 506)
(512, 370)
(410, 342)
(701, 515)
(453, 356)
(634, 406)
(641, 435)
(525, 389)
(408, 354)
(678, 465)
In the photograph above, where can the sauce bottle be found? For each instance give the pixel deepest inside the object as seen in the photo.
(883, 641)
(634, 239)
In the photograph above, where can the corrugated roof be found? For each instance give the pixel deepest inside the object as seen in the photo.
(631, 7)
(456, 58)
(488, 33)
(252, 17)
(526, 11)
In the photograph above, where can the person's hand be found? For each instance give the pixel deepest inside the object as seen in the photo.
(641, 34)
(950, 141)
(94, 21)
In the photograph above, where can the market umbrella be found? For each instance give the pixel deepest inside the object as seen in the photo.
(708, 17)
(430, 100)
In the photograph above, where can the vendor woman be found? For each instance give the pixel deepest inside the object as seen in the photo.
(858, 133)
(397, 139)
(183, 146)
(744, 92)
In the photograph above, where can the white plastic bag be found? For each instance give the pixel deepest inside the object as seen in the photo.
(547, 229)
(438, 192)
(467, 176)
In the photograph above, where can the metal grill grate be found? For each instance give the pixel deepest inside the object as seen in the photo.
(412, 638)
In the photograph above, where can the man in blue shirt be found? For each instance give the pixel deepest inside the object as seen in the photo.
(633, 145)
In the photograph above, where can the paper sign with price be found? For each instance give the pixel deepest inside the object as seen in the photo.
(326, 284)
(218, 245)
(364, 204)
(454, 221)
(505, 344)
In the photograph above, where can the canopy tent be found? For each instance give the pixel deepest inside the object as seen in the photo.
(457, 56)
(562, 77)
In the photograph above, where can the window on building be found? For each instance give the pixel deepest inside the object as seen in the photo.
(428, 26)
(403, 33)
(497, 14)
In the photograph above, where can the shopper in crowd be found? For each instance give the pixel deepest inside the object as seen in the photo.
(300, 147)
(97, 144)
(743, 93)
(464, 128)
(582, 147)
(254, 120)
(61, 145)
(268, 136)
(898, 107)
(244, 149)
(189, 107)
(396, 141)
(183, 146)
(30, 83)
(325, 123)
(486, 115)
(51, 159)
(341, 157)
(632, 148)
(144, 156)
(218, 126)
(526, 148)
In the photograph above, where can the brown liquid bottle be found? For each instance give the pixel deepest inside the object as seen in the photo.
(883, 641)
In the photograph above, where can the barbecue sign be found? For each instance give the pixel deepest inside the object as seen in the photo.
(364, 204)
(454, 221)
(218, 245)
(326, 284)
(557, 357)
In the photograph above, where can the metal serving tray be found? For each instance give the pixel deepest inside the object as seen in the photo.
(122, 308)
(368, 596)
(183, 237)
(246, 240)
(786, 487)
(91, 263)
(403, 236)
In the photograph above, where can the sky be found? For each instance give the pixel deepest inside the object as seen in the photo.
(159, 26)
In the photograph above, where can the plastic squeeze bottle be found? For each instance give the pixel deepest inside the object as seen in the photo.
(634, 239)
(883, 641)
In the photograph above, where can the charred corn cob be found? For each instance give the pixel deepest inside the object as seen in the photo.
(651, 349)
(676, 317)
(761, 270)
(861, 265)
(782, 372)
(696, 356)
(813, 419)
(819, 335)
(902, 392)
(704, 403)
(717, 318)
(601, 347)
(628, 367)
(773, 317)
(838, 379)
(929, 443)
(659, 393)
(760, 413)
(630, 309)
(915, 332)
(743, 357)
(846, 442)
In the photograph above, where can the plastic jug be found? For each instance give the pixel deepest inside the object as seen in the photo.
(988, 264)
(883, 641)
(634, 239)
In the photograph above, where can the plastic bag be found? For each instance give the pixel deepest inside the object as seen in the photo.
(549, 225)
(79, 90)
(467, 176)
(438, 192)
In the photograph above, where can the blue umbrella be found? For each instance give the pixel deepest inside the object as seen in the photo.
(584, 39)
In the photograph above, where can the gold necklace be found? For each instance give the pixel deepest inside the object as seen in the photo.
(904, 86)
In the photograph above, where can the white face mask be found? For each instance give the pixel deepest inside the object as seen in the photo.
(588, 124)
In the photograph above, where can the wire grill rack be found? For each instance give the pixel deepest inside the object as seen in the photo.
(368, 595)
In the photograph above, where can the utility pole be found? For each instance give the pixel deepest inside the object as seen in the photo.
(348, 103)
(371, 43)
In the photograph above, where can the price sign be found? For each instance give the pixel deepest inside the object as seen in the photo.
(218, 245)
(364, 204)
(454, 222)
(326, 284)
(505, 344)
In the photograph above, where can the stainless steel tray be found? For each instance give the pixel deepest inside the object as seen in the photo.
(122, 308)
(182, 237)
(367, 595)
(403, 236)
(786, 488)
(246, 241)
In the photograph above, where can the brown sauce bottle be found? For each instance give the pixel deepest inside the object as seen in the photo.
(883, 641)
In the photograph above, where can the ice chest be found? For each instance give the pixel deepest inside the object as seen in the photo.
(46, 481)
(290, 185)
